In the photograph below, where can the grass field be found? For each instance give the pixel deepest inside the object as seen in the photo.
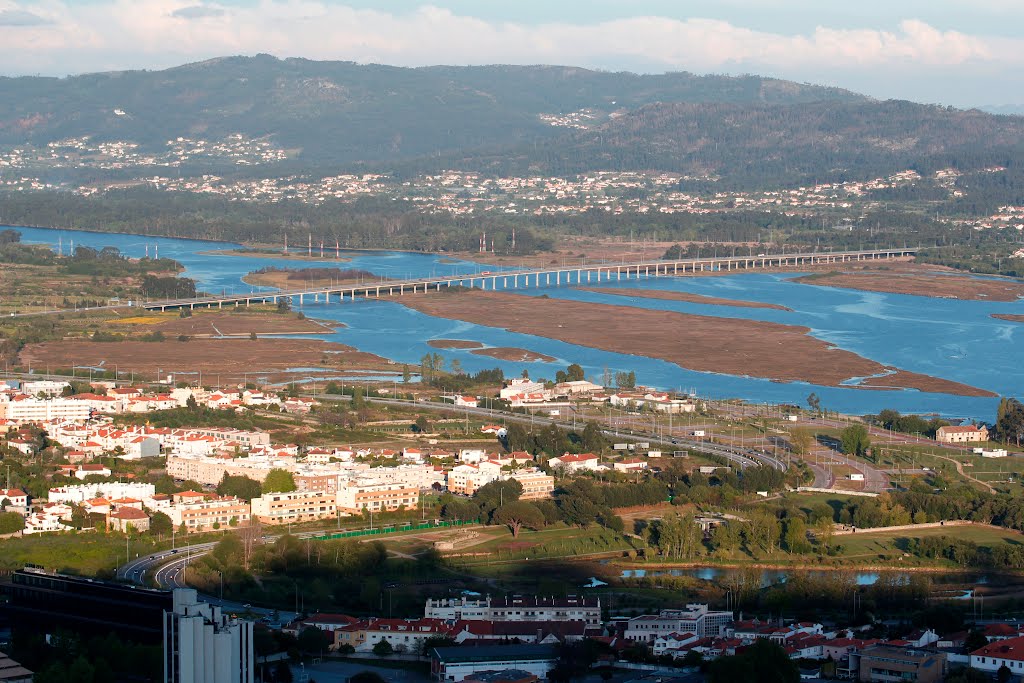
(867, 545)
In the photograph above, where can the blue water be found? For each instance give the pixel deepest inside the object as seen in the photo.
(953, 339)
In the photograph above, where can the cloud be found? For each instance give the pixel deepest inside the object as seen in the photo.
(119, 34)
(20, 17)
(197, 12)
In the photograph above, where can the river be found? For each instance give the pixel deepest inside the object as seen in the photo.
(948, 338)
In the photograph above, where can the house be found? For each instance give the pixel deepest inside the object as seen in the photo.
(84, 471)
(12, 672)
(127, 518)
(16, 500)
(404, 635)
(630, 465)
(465, 401)
(999, 653)
(574, 463)
(456, 664)
(966, 434)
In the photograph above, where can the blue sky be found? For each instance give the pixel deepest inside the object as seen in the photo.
(955, 52)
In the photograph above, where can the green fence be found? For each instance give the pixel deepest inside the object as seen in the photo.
(394, 529)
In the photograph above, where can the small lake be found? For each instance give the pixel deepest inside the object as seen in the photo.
(953, 339)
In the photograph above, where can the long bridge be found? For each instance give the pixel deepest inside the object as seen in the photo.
(534, 278)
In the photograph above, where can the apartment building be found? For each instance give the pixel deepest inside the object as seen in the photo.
(516, 608)
(536, 485)
(29, 409)
(201, 514)
(883, 663)
(696, 618)
(203, 645)
(355, 497)
(294, 507)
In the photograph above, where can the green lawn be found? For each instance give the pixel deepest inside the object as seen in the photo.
(867, 544)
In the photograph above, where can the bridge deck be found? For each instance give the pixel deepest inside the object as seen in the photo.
(541, 277)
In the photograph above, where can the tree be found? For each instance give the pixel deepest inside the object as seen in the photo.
(278, 481)
(801, 440)
(592, 439)
(824, 530)
(422, 425)
(1003, 675)
(406, 373)
(814, 402)
(313, 640)
(369, 676)
(1010, 421)
(855, 440)
(796, 536)
(764, 661)
(518, 514)
(160, 524)
(382, 648)
(625, 380)
(239, 486)
(191, 405)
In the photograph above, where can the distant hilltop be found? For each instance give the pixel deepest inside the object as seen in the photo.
(309, 117)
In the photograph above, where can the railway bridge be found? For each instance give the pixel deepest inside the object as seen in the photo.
(533, 278)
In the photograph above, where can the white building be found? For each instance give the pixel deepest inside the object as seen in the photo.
(29, 409)
(696, 618)
(202, 645)
(80, 493)
(516, 608)
(294, 507)
(574, 463)
(44, 386)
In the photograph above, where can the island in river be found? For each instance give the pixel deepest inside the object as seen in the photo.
(785, 353)
(666, 295)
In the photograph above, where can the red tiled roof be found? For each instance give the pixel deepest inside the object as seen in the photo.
(1011, 648)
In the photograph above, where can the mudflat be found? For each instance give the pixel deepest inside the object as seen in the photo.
(767, 350)
(216, 324)
(683, 296)
(229, 358)
(454, 344)
(935, 284)
(513, 354)
(1009, 316)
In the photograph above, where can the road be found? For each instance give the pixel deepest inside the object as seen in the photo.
(744, 457)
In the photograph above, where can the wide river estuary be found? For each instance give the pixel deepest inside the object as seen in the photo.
(948, 338)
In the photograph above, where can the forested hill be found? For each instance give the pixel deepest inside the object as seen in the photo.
(340, 112)
(762, 145)
(324, 117)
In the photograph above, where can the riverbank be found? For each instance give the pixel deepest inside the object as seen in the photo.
(683, 296)
(784, 353)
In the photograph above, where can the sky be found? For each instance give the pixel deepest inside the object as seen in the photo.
(956, 52)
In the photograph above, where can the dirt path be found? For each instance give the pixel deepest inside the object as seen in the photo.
(960, 470)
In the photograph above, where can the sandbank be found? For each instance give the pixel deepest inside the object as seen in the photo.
(766, 350)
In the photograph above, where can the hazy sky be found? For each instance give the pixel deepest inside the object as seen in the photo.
(959, 52)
